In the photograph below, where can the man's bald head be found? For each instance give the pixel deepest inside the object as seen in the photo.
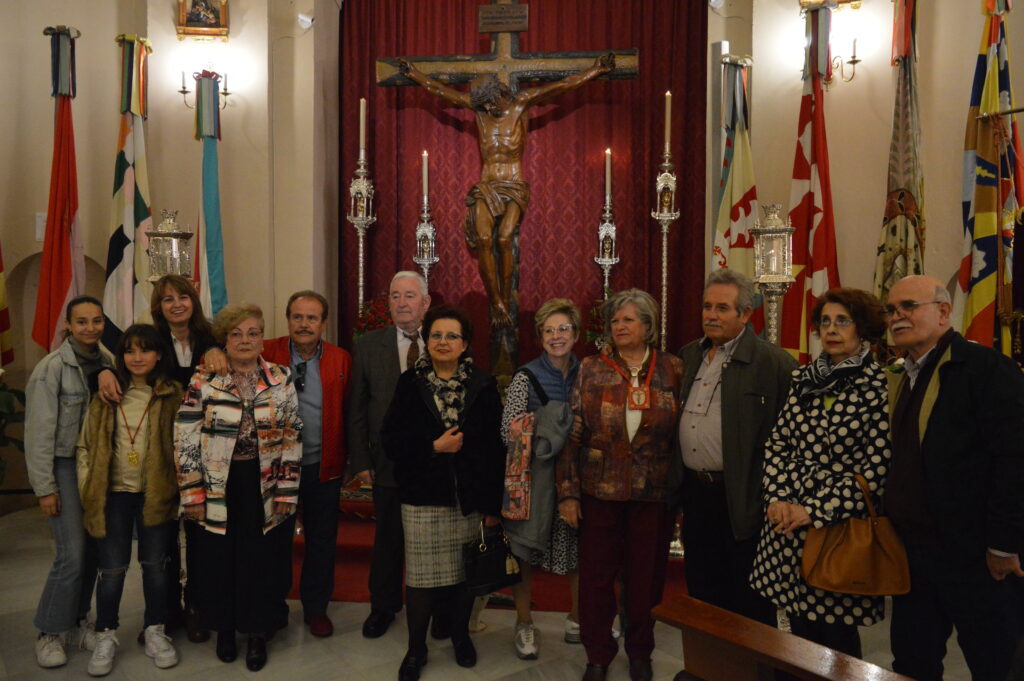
(920, 314)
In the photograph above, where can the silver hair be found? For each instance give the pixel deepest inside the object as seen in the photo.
(645, 306)
(942, 295)
(409, 274)
(745, 287)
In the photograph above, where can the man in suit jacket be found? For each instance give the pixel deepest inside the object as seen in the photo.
(320, 373)
(955, 489)
(734, 385)
(380, 358)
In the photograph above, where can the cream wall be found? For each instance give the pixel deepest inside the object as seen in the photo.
(859, 119)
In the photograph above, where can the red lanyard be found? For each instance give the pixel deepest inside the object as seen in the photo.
(133, 454)
(639, 396)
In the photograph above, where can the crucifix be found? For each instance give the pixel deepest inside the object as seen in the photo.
(497, 203)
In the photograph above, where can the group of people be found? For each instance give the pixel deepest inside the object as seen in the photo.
(585, 466)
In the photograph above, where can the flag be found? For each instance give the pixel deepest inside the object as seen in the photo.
(6, 335)
(814, 241)
(901, 242)
(127, 291)
(62, 274)
(993, 175)
(737, 192)
(209, 261)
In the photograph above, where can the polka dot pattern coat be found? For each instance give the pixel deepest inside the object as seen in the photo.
(815, 448)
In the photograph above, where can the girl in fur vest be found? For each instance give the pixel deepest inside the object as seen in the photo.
(127, 480)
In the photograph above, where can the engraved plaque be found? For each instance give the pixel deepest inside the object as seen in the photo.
(500, 18)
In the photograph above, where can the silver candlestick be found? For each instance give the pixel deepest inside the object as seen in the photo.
(665, 214)
(360, 213)
(607, 255)
(773, 263)
(426, 241)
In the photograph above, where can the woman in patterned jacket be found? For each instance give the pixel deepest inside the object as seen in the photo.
(237, 451)
(834, 425)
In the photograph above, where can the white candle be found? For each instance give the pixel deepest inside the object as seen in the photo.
(668, 120)
(225, 88)
(182, 80)
(425, 166)
(362, 125)
(608, 173)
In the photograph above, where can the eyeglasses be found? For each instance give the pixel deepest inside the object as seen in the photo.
(906, 307)
(839, 323)
(437, 337)
(252, 334)
(560, 330)
(300, 376)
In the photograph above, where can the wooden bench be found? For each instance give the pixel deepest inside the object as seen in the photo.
(719, 645)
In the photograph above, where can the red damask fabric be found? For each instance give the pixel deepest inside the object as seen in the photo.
(563, 161)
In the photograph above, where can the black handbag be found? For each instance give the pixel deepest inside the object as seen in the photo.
(490, 565)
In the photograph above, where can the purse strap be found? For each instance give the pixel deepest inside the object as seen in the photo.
(866, 491)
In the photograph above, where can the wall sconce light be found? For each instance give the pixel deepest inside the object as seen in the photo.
(224, 92)
(839, 65)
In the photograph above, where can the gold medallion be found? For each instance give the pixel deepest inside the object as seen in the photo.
(133, 457)
(639, 398)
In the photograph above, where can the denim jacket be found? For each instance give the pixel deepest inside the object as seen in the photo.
(57, 398)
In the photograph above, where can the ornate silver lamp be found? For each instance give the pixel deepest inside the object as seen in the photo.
(665, 214)
(773, 263)
(426, 241)
(169, 252)
(360, 213)
(607, 255)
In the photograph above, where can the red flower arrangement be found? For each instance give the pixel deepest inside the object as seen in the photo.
(373, 315)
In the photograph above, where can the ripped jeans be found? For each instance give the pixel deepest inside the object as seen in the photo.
(124, 513)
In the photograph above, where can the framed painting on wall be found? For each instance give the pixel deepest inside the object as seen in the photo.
(202, 19)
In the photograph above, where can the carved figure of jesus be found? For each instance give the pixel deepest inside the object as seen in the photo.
(497, 203)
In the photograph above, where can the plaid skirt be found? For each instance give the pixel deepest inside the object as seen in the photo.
(434, 537)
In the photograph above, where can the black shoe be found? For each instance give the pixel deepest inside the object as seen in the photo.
(465, 653)
(193, 629)
(640, 670)
(595, 672)
(256, 653)
(440, 629)
(227, 649)
(411, 666)
(376, 625)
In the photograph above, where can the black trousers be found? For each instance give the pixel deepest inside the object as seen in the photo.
(318, 503)
(717, 565)
(388, 560)
(943, 596)
(242, 581)
(838, 636)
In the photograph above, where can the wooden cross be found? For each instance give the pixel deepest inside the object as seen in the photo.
(509, 64)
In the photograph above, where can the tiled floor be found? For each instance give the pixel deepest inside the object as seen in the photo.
(295, 655)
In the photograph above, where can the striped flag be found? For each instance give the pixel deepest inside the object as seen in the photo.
(62, 275)
(993, 177)
(737, 197)
(814, 241)
(127, 291)
(6, 334)
(901, 242)
(209, 261)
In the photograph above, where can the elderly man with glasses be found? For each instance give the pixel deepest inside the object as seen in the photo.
(955, 489)
(320, 373)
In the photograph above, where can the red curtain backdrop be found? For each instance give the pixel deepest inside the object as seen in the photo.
(563, 161)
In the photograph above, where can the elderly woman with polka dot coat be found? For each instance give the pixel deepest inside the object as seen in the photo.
(833, 426)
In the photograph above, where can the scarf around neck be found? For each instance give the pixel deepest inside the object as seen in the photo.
(822, 377)
(449, 394)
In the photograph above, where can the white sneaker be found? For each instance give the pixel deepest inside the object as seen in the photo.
(50, 651)
(103, 656)
(572, 631)
(158, 647)
(526, 641)
(85, 634)
(616, 630)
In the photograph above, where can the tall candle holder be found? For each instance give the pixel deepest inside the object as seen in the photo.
(607, 254)
(426, 241)
(169, 251)
(360, 213)
(773, 263)
(665, 214)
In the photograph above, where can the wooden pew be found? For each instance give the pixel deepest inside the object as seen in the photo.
(719, 645)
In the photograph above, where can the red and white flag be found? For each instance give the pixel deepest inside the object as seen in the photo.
(814, 241)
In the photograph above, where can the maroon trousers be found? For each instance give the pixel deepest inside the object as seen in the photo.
(630, 538)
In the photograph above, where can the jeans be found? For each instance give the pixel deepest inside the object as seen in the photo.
(124, 513)
(68, 589)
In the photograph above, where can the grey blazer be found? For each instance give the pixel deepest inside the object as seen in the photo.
(755, 384)
(375, 373)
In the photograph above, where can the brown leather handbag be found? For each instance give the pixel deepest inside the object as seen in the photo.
(862, 556)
